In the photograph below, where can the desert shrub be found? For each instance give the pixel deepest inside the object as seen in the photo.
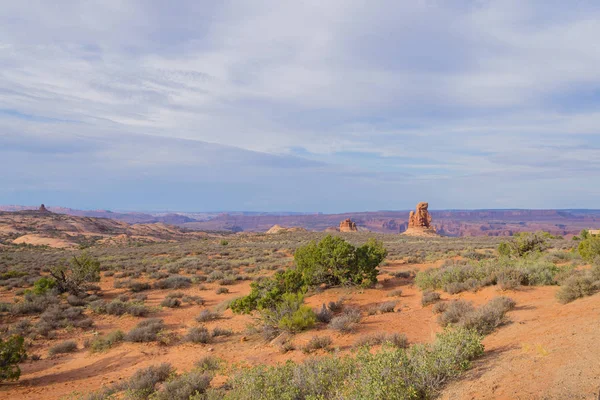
(577, 286)
(137, 287)
(483, 319)
(454, 312)
(267, 292)
(395, 293)
(395, 339)
(207, 315)
(193, 299)
(347, 321)
(33, 304)
(43, 285)
(140, 386)
(324, 315)
(333, 261)
(524, 243)
(222, 290)
(68, 346)
(317, 343)
(589, 248)
(439, 307)
(173, 282)
(170, 302)
(387, 307)
(417, 373)
(290, 314)
(208, 364)
(429, 298)
(145, 331)
(12, 352)
(118, 307)
(336, 306)
(182, 387)
(103, 343)
(218, 331)
(454, 278)
(76, 277)
(75, 301)
(199, 335)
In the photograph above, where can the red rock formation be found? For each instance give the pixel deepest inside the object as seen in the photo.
(419, 222)
(43, 209)
(421, 218)
(348, 225)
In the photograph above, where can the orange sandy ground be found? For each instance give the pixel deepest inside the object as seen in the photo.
(547, 350)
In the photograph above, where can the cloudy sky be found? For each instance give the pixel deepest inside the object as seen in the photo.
(337, 105)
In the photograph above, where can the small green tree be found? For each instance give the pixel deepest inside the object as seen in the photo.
(42, 285)
(524, 243)
(589, 248)
(290, 314)
(584, 234)
(75, 277)
(333, 261)
(12, 352)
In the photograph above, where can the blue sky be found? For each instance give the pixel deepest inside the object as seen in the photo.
(300, 106)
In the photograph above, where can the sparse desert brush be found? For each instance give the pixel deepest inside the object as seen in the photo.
(429, 298)
(347, 321)
(173, 282)
(184, 386)
(222, 290)
(140, 386)
(483, 319)
(145, 331)
(324, 315)
(208, 364)
(419, 372)
(395, 339)
(170, 302)
(387, 307)
(317, 343)
(577, 286)
(137, 287)
(68, 346)
(199, 335)
(103, 343)
(336, 306)
(207, 315)
(439, 307)
(395, 293)
(218, 331)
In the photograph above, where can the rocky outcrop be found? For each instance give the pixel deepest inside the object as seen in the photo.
(419, 222)
(421, 218)
(43, 209)
(280, 229)
(348, 225)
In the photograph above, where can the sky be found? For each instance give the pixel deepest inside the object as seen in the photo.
(331, 106)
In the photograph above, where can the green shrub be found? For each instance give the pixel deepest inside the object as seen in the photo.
(333, 261)
(290, 314)
(429, 298)
(199, 335)
(68, 346)
(145, 331)
(12, 352)
(392, 373)
(77, 276)
(43, 285)
(577, 286)
(208, 364)
(483, 319)
(524, 243)
(317, 343)
(182, 387)
(103, 343)
(589, 248)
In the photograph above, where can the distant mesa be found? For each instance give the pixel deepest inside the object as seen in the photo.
(280, 229)
(348, 225)
(331, 229)
(419, 222)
